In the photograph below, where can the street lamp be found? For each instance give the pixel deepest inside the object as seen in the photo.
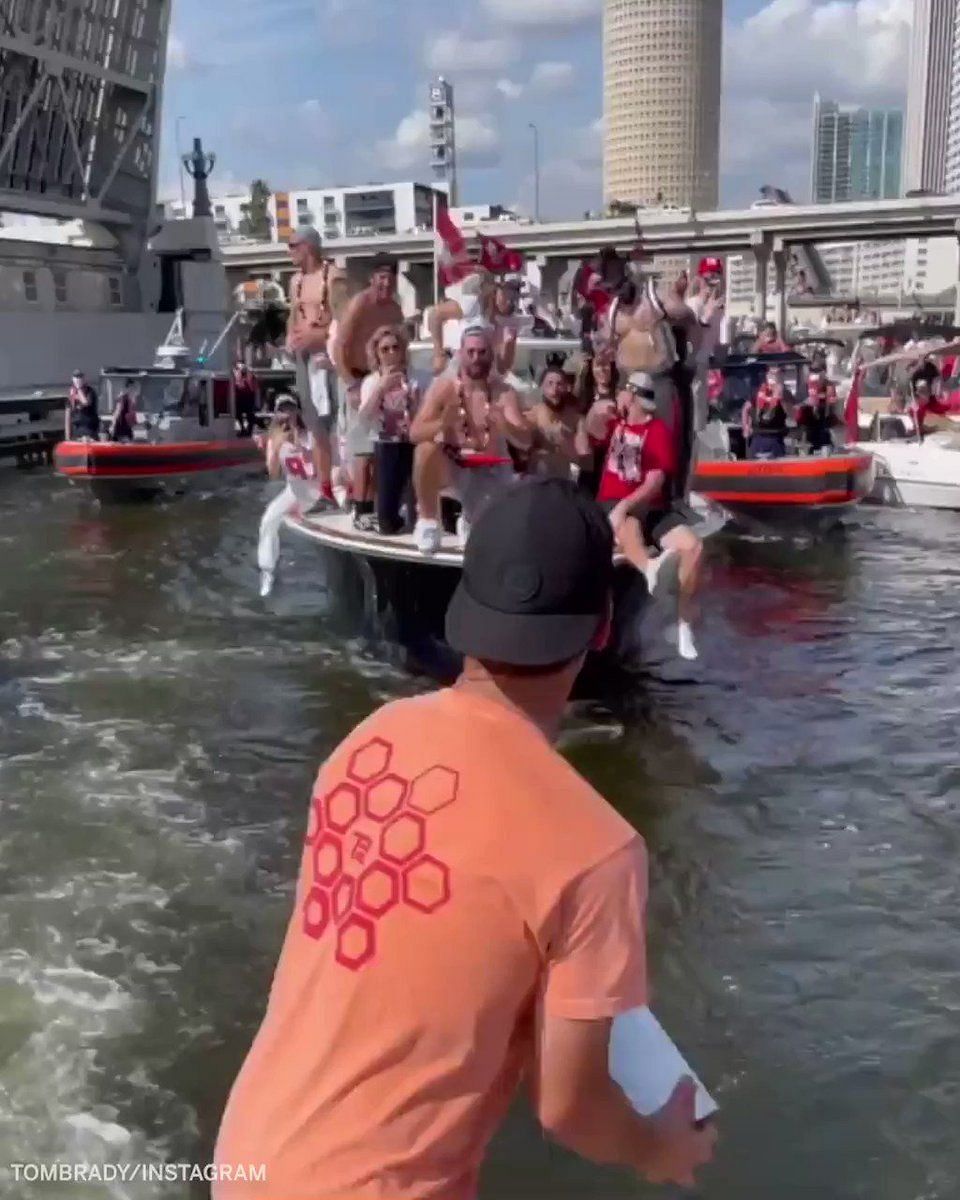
(536, 171)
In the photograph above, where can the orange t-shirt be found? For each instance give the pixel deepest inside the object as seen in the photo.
(457, 874)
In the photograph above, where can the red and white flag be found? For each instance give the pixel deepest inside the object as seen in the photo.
(453, 259)
(498, 258)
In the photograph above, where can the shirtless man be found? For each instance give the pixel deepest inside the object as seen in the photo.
(560, 439)
(372, 309)
(473, 411)
(317, 292)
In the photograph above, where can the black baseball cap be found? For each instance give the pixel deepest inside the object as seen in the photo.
(537, 577)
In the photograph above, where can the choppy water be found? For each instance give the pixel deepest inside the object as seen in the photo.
(159, 731)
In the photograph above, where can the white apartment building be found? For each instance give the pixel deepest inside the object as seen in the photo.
(928, 94)
(661, 101)
(345, 212)
(952, 168)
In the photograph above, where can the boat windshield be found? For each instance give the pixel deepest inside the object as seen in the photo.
(164, 395)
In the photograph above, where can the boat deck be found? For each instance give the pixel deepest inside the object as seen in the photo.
(336, 531)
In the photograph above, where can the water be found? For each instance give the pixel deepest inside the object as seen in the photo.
(159, 731)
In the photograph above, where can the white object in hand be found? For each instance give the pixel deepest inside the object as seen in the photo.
(646, 1064)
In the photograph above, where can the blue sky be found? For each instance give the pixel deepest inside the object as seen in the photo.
(317, 92)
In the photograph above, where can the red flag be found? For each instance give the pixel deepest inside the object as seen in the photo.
(851, 411)
(453, 260)
(497, 258)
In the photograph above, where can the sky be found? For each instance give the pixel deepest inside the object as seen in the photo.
(314, 93)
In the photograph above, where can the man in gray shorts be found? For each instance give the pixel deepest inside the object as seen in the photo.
(317, 291)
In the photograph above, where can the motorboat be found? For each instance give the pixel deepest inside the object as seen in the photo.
(185, 430)
(799, 489)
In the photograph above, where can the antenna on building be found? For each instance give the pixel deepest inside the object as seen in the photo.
(443, 141)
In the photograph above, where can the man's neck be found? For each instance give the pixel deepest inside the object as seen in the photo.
(539, 699)
(311, 266)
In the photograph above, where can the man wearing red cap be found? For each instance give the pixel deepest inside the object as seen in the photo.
(706, 302)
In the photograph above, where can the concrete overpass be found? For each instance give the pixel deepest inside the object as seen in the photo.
(767, 232)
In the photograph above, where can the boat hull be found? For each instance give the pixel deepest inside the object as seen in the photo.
(911, 475)
(777, 491)
(120, 470)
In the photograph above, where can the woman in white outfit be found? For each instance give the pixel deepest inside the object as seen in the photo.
(293, 455)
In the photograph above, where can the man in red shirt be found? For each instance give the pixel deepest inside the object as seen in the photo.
(635, 491)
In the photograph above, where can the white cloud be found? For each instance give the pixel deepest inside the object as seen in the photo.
(315, 121)
(549, 78)
(510, 90)
(478, 142)
(545, 15)
(453, 52)
(848, 50)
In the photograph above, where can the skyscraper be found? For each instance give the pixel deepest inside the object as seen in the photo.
(661, 101)
(856, 152)
(928, 94)
(952, 173)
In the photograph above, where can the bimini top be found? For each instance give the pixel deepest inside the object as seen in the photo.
(917, 330)
(751, 362)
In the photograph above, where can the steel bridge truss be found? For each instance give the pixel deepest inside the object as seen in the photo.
(80, 91)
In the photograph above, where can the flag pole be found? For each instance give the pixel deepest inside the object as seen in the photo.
(436, 264)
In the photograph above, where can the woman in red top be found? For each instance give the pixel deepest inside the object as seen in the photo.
(635, 492)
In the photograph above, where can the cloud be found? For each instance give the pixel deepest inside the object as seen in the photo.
(549, 78)
(478, 142)
(453, 52)
(848, 50)
(313, 119)
(548, 16)
(509, 90)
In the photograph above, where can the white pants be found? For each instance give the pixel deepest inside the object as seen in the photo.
(268, 550)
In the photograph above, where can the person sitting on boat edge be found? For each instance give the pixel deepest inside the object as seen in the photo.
(370, 310)
(765, 418)
(81, 416)
(635, 492)
(389, 398)
(124, 416)
(472, 414)
(292, 453)
(560, 445)
(488, 935)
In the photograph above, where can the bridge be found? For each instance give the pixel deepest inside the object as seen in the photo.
(768, 232)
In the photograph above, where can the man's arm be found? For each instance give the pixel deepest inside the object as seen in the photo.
(434, 415)
(581, 440)
(580, 1106)
(513, 423)
(652, 485)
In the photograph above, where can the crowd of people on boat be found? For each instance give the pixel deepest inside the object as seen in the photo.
(398, 440)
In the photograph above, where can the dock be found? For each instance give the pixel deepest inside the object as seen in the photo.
(31, 425)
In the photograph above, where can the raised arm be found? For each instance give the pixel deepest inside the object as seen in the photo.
(514, 424)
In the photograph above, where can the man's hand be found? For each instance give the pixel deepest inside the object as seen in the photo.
(618, 516)
(681, 1148)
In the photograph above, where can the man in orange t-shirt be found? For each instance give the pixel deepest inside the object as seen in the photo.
(469, 912)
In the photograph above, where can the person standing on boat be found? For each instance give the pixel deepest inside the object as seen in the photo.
(370, 310)
(293, 454)
(470, 915)
(472, 414)
(124, 414)
(81, 417)
(597, 387)
(479, 299)
(389, 398)
(635, 492)
(706, 301)
(818, 415)
(765, 419)
(245, 391)
(317, 293)
(560, 446)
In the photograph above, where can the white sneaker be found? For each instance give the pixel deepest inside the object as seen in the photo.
(426, 536)
(686, 646)
(266, 583)
(463, 532)
(663, 572)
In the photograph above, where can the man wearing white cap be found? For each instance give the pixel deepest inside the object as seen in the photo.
(635, 491)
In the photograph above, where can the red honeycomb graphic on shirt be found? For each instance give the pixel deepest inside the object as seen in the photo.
(368, 851)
